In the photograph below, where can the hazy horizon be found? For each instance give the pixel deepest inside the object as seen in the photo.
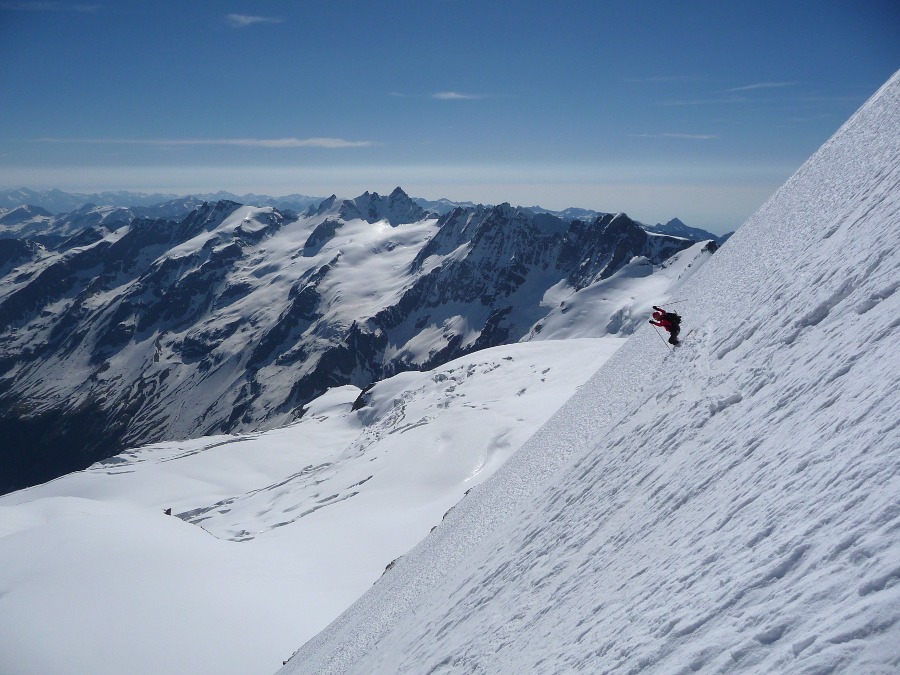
(698, 111)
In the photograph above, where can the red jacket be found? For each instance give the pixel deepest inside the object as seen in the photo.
(670, 321)
(665, 323)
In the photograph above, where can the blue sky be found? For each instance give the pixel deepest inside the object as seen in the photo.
(692, 109)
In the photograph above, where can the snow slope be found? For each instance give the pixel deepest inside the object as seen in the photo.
(620, 303)
(731, 506)
(95, 579)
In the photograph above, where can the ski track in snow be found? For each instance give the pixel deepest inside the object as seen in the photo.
(728, 506)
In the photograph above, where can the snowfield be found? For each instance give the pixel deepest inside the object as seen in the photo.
(276, 533)
(730, 506)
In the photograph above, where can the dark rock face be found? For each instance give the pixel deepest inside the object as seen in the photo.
(397, 208)
(323, 233)
(168, 329)
(14, 252)
(504, 259)
(38, 448)
(600, 249)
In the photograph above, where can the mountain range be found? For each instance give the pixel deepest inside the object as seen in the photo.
(57, 201)
(123, 206)
(118, 329)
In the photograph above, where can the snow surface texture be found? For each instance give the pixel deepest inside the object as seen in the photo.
(275, 534)
(730, 506)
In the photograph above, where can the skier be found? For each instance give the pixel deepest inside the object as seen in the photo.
(671, 321)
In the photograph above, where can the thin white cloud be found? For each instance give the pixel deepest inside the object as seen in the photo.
(38, 6)
(454, 96)
(705, 101)
(662, 78)
(762, 85)
(243, 20)
(689, 137)
(242, 142)
(31, 6)
(290, 142)
(440, 96)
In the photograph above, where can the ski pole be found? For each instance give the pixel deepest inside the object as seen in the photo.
(656, 330)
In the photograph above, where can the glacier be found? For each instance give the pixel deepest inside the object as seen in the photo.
(729, 506)
(306, 515)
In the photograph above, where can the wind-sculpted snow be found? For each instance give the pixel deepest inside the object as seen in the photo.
(729, 506)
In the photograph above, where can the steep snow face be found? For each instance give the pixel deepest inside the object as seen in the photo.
(727, 506)
(620, 303)
(95, 579)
